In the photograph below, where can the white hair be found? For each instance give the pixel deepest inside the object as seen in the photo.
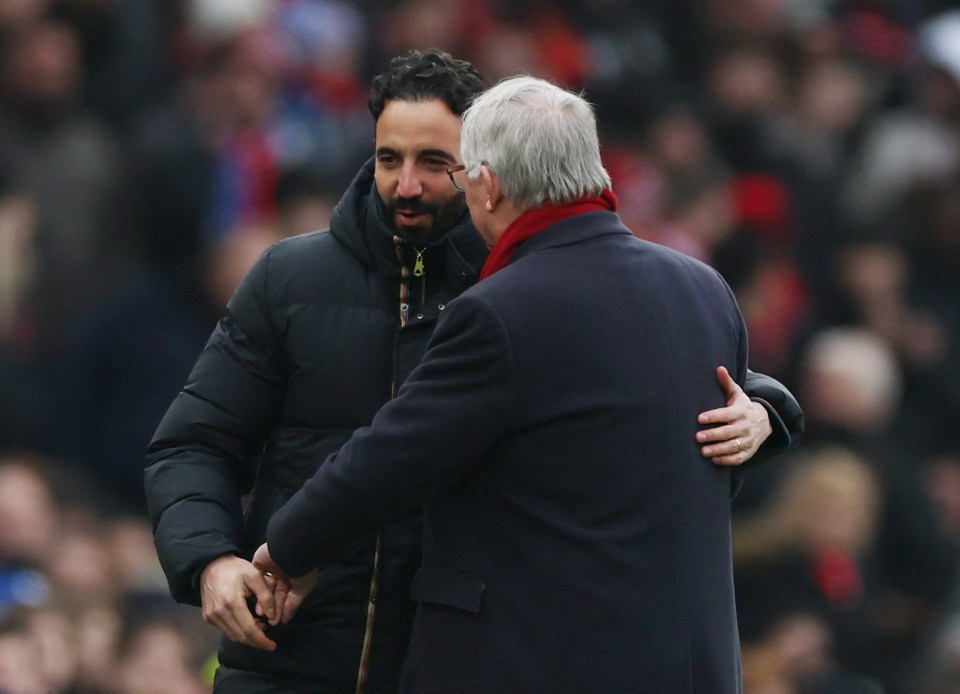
(539, 139)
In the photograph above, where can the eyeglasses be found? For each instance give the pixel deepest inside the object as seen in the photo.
(456, 169)
(462, 167)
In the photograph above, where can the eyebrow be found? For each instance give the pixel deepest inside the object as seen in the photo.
(443, 154)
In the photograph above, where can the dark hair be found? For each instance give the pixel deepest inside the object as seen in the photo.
(420, 76)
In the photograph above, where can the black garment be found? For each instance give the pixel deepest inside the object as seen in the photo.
(311, 347)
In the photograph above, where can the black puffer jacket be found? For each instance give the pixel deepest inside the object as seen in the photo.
(310, 348)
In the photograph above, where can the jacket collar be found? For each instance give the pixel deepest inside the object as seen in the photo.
(358, 223)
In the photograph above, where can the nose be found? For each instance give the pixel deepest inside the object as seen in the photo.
(409, 185)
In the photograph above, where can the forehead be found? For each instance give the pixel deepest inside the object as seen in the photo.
(410, 127)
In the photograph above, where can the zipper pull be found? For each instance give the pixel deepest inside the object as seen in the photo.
(418, 265)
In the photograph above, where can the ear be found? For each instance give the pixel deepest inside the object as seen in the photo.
(491, 188)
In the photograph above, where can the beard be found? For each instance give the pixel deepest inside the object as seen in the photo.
(442, 216)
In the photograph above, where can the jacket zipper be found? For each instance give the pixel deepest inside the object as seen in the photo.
(420, 273)
(405, 272)
(418, 263)
(371, 616)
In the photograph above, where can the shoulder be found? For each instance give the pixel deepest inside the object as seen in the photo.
(315, 252)
(677, 263)
(303, 246)
(671, 256)
(296, 268)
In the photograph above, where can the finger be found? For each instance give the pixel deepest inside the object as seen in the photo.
(721, 414)
(721, 449)
(733, 452)
(280, 597)
(725, 432)
(280, 591)
(271, 582)
(300, 588)
(734, 410)
(224, 618)
(727, 384)
(728, 460)
(292, 603)
(731, 445)
(246, 629)
(254, 635)
(256, 583)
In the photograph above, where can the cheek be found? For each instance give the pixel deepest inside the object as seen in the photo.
(450, 208)
(385, 182)
(451, 198)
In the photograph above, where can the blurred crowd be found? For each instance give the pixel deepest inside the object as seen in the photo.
(807, 149)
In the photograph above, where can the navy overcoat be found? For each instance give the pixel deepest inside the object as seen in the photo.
(575, 540)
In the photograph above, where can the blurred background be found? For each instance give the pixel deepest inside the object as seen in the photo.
(808, 149)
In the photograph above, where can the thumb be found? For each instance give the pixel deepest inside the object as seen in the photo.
(300, 588)
(727, 384)
(291, 604)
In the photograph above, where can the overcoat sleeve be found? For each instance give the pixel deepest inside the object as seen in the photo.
(445, 419)
(203, 456)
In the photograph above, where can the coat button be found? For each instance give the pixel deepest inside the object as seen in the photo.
(419, 316)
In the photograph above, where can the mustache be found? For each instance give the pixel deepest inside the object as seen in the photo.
(412, 205)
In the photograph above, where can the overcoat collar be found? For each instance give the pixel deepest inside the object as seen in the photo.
(582, 227)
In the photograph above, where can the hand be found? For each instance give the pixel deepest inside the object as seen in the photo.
(289, 593)
(225, 585)
(743, 425)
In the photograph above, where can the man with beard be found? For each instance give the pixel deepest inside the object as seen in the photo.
(319, 335)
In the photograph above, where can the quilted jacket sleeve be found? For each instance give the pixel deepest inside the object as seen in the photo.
(204, 454)
(786, 416)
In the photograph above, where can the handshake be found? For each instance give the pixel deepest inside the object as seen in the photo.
(229, 582)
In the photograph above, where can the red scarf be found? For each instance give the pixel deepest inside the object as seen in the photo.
(536, 220)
